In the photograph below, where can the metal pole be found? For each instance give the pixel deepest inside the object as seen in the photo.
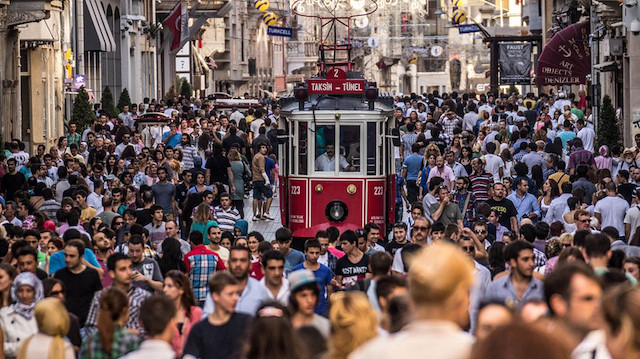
(494, 67)
(80, 37)
(595, 91)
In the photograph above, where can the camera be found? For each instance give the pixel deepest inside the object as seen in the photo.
(634, 26)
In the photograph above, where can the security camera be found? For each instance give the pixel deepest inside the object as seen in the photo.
(634, 26)
(630, 3)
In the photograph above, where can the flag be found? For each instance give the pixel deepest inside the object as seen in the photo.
(178, 24)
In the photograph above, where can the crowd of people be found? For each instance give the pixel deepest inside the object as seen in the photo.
(511, 237)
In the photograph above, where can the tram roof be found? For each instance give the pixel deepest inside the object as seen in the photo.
(384, 103)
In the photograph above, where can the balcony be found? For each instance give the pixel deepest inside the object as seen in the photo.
(27, 11)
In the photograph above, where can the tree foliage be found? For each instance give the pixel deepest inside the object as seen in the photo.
(82, 113)
(608, 132)
(108, 105)
(124, 100)
(185, 89)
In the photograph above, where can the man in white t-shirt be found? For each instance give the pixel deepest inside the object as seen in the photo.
(257, 122)
(611, 210)
(586, 134)
(470, 118)
(631, 221)
(494, 164)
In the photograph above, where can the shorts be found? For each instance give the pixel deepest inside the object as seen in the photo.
(260, 189)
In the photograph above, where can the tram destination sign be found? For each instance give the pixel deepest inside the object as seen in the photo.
(336, 86)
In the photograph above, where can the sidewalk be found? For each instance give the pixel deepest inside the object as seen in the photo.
(266, 227)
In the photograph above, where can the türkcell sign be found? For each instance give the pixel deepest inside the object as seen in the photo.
(279, 31)
(336, 87)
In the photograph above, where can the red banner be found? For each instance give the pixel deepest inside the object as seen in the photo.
(566, 58)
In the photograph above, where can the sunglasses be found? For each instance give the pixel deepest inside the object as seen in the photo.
(119, 223)
(421, 228)
(585, 220)
(480, 231)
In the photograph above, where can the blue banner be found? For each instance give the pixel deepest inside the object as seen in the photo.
(467, 29)
(279, 31)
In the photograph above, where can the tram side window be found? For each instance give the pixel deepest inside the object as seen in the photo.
(302, 148)
(350, 148)
(371, 148)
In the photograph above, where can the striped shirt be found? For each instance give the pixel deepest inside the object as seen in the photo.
(201, 262)
(226, 219)
(188, 154)
(479, 183)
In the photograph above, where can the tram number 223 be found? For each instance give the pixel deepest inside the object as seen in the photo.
(377, 191)
(295, 190)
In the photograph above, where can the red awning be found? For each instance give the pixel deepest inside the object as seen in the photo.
(566, 58)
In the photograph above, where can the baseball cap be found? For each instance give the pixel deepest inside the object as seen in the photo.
(300, 278)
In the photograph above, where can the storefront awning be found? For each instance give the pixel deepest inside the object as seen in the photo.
(566, 58)
(97, 33)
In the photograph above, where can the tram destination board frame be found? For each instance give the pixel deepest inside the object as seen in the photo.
(336, 86)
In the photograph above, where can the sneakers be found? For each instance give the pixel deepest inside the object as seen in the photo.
(266, 216)
(256, 218)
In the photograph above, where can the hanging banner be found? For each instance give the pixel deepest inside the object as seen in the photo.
(566, 58)
(515, 63)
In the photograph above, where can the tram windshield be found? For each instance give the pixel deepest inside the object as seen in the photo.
(342, 152)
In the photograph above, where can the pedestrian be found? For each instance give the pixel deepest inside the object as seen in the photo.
(440, 278)
(200, 263)
(220, 333)
(157, 317)
(353, 323)
(354, 265)
(519, 256)
(276, 285)
(53, 324)
(321, 272)
(111, 339)
(252, 294)
(121, 270)
(271, 335)
(17, 320)
(292, 256)
(80, 281)
(304, 297)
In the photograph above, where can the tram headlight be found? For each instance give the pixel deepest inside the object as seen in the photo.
(336, 211)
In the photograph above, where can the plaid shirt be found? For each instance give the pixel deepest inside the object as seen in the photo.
(460, 199)
(136, 297)
(123, 343)
(448, 124)
(580, 156)
(201, 262)
(539, 258)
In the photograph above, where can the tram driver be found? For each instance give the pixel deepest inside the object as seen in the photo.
(326, 161)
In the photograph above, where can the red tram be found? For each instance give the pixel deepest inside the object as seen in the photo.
(336, 163)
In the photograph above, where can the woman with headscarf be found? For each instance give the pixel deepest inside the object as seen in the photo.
(53, 324)
(17, 320)
(241, 228)
(604, 160)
